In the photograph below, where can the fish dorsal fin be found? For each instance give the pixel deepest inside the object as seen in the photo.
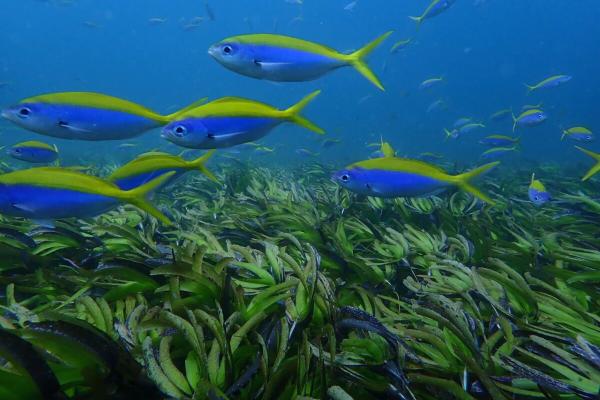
(186, 109)
(532, 178)
(152, 154)
(282, 41)
(233, 99)
(387, 150)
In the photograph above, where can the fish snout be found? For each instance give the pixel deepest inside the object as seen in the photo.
(6, 114)
(213, 51)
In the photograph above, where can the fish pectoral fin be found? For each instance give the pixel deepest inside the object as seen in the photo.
(373, 189)
(270, 66)
(224, 135)
(66, 125)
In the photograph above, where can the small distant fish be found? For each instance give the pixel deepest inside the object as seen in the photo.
(193, 23)
(470, 127)
(499, 141)
(400, 45)
(578, 133)
(537, 192)
(436, 105)
(350, 6)
(553, 81)
(529, 118)
(596, 168)
(436, 7)
(501, 114)
(127, 145)
(92, 24)
(429, 83)
(230, 121)
(330, 142)
(497, 152)
(34, 152)
(401, 177)
(461, 122)
(209, 12)
(264, 149)
(156, 21)
(306, 152)
(287, 59)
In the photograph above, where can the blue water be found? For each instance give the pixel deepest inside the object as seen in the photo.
(485, 53)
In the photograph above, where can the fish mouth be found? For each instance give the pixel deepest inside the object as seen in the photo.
(212, 51)
(5, 114)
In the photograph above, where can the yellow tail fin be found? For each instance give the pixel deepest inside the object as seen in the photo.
(137, 196)
(357, 59)
(596, 168)
(463, 181)
(293, 113)
(199, 164)
(173, 116)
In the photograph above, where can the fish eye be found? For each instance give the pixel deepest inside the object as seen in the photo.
(180, 130)
(24, 112)
(227, 49)
(345, 177)
(18, 151)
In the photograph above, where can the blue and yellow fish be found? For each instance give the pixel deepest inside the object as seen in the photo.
(436, 7)
(497, 152)
(529, 118)
(49, 193)
(231, 121)
(149, 166)
(85, 116)
(501, 114)
(401, 177)
(552, 81)
(537, 192)
(578, 133)
(34, 152)
(288, 59)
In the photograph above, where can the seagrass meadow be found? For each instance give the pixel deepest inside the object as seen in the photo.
(278, 284)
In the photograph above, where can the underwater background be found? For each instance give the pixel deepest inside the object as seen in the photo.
(275, 282)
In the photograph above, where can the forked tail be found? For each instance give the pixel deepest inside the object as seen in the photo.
(200, 164)
(358, 60)
(293, 113)
(463, 181)
(596, 168)
(138, 196)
